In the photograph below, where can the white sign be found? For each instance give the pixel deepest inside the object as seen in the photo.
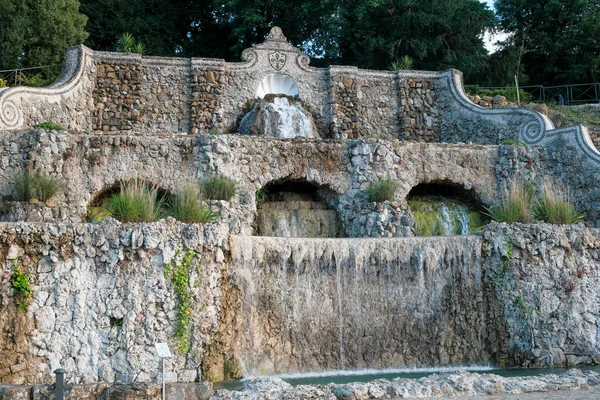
(163, 350)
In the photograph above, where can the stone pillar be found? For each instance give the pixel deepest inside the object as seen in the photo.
(418, 114)
(208, 85)
(117, 105)
(345, 103)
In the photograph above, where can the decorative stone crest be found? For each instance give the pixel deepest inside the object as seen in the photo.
(277, 60)
(276, 34)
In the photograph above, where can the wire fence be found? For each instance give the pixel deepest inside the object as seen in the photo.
(33, 76)
(563, 94)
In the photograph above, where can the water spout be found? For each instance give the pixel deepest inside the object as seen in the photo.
(278, 116)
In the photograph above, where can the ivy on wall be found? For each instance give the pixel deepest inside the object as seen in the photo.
(177, 272)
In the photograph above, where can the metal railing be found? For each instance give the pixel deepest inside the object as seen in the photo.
(581, 93)
(32, 76)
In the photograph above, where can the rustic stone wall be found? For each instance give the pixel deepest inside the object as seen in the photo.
(166, 95)
(15, 149)
(546, 276)
(130, 94)
(208, 85)
(117, 96)
(346, 107)
(101, 300)
(420, 113)
(364, 104)
(90, 164)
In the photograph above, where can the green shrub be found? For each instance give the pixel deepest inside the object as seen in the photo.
(177, 272)
(515, 205)
(219, 188)
(32, 185)
(36, 80)
(511, 142)
(509, 92)
(128, 44)
(137, 201)
(187, 206)
(382, 190)
(49, 126)
(405, 63)
(3, 83)
(553, 208)
(19, 282)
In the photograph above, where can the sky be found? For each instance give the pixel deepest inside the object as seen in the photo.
(489, 39)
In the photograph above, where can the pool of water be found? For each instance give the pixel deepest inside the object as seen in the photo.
(342, 377)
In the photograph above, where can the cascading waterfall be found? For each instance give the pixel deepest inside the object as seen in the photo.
(325, 304)
(278, 116)
(437, 215)
(296, 219)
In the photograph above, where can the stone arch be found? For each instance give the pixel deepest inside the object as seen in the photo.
(447, 188)
(444, 207)
(291, 207)
(100, 198)
(277, 84)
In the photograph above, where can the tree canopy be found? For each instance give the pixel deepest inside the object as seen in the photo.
(551, 41)
(437, 34)
(34, 33)
(557, 40)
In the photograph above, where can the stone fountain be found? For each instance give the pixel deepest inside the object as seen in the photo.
(346, 284)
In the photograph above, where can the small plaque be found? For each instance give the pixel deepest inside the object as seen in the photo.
(163, 350)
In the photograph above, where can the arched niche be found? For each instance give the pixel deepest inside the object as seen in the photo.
(277, 84)
(97, 208)
(444, 208)
(296, 208)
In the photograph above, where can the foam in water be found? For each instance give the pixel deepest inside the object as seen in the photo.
(286, 120)
(279, 117)
(371, 371)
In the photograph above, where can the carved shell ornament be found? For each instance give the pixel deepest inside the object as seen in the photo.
(277, 84)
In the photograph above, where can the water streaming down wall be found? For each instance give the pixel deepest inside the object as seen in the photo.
(296, 219)
(438, 215)
(319, 304)
(281, 117)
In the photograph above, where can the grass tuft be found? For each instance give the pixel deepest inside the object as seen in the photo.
(137, 201)
(187, 206)
(33, 185)
(515, 204)
(511, 142)
(49, 126)
(219, 188)
(382, 190)
(553, 208)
